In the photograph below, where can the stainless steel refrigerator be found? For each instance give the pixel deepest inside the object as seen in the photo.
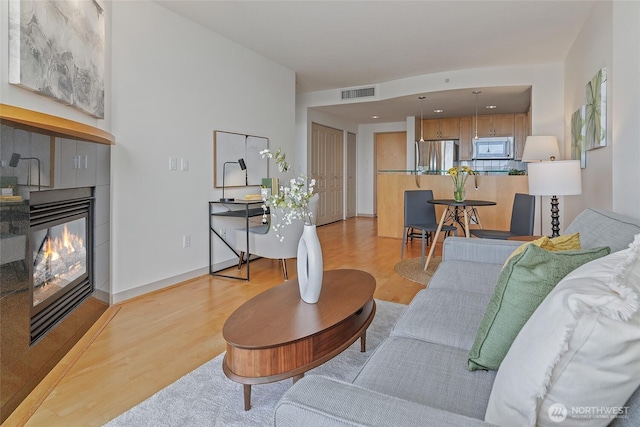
(436, 157)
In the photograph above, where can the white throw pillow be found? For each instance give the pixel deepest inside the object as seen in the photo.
(577, 359)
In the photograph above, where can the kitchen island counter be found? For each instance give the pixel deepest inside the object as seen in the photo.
(391, 186)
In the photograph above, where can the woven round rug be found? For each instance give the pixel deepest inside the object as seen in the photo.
(411, 269)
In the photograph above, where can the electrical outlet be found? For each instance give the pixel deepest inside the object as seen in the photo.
(186, 240)
(223, 232)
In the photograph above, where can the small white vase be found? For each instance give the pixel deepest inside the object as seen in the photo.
(309, 265)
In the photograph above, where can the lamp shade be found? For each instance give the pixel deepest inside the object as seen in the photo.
(540, 148)
(557, 178)
(15, 158)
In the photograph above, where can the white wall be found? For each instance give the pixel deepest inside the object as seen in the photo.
(610, 38)
(174, 83)
(625, 111)
(590, 52)
(546, 104)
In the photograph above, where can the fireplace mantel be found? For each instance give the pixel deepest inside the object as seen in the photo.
(54, 124)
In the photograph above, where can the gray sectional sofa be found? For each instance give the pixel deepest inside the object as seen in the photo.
(418, 376)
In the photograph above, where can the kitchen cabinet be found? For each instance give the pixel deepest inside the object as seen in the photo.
(75, 163)
(466, 138)
(448, 128)
(522, 130)
(496, 125)
(503, 124)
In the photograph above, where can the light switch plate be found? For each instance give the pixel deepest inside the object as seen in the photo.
(173, 163)
(184, 164)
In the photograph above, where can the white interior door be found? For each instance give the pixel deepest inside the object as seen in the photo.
(327, 165)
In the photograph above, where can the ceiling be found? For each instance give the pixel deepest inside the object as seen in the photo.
(453, 103)
(342, 44)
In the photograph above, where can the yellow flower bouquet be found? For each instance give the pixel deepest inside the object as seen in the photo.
(459, 176)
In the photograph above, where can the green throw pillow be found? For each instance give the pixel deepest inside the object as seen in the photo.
(522, 285)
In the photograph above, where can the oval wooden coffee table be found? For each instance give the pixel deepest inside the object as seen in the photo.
(275, 335)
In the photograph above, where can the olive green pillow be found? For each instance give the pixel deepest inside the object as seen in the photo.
(522, 285)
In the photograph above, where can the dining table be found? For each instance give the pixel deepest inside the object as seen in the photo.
(461, 212)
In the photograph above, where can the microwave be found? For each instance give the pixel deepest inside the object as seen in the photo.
(494, 148)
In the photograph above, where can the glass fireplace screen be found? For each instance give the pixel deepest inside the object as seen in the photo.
(59, 258)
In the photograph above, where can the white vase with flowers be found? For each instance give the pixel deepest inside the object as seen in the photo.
(293, 203)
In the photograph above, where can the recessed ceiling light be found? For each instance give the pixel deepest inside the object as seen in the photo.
(438, 111)
(375, 117)
(491, 107)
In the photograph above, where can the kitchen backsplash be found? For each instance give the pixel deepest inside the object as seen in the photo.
(494, 165)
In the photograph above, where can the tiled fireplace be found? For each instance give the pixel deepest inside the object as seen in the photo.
(54, 245)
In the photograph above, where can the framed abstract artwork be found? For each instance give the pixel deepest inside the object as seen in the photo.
(596, 111)
(229, 147)
(56, 49)
(578, 131)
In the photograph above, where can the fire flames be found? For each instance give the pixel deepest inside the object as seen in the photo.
(67, 243)
(60, 260)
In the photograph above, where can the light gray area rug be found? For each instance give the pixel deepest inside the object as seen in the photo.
(206, 397)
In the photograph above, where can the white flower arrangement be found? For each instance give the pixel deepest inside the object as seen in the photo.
(293, 200)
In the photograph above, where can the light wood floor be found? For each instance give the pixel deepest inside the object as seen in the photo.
(144, 344)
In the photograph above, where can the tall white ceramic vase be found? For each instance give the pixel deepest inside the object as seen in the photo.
(309, 265)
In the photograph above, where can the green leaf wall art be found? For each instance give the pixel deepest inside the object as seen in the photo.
(578, 131)
(596, 111)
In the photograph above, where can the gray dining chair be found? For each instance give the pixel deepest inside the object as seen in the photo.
(421, 215)
(522, 217)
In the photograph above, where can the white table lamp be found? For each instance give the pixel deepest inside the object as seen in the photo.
(555, 178)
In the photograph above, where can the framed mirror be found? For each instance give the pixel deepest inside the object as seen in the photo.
(229, 147)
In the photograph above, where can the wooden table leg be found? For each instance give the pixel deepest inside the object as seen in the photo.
(435, 239)
(363, 342)
(466, 222)
(247, 396)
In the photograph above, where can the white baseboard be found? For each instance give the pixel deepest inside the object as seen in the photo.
(170, 281)
(156, 286)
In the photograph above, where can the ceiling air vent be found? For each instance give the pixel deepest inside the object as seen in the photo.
(362, 92)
